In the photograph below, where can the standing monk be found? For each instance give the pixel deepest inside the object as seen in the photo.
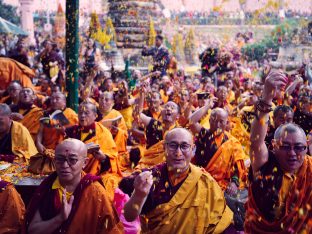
(176, 196)
(280, 189)
(69, 200)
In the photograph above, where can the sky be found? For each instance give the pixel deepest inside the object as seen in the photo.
(199, 5)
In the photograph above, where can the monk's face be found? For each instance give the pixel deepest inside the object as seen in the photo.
(282, 118)
(218, 122)
(154, 102)
(106, 102)
(26, 96)
(179, 150)
(290, 150)
(14, 90)
(222, 93)
(170, 112)
(5, 123)
(86, 115)
(58, 101)
(184, 96)
(108, 84)
(70, 158)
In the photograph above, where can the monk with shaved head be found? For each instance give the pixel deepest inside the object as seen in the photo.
(176, 196)
(70, 200)
(280, 186)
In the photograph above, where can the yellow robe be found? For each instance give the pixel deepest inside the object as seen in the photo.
(152, 156)
(221, 165)
(22, 144)
(127, 115)
(32, 121)
(107, 145)
(120, 139)
(197, 207)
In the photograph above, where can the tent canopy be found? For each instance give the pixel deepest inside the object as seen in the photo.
(9, 28)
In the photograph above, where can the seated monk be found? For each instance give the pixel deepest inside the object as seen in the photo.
(155, 131)
(27, 113)
(281, 115)
(176, 196)
(118, 128)
(12, 209)
(69, 200)
(13, 70)
(153, 105)
(222, 155)
(280, 189)
(50, 135)
(13, 93)
(15, 140)
(103, 160)
(303, 113)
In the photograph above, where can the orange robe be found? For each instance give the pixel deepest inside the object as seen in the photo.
(23, 145)
(92, 210)
(120, 140)
(12, 209)
(197, 207)
(13, 70)
(221, 165)
(31, 120)
(104, 139)
(297, 215)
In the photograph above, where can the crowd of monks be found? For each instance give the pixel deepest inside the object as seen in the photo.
(172, 154)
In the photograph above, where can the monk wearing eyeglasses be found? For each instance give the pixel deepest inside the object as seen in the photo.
(280, 190)
(176, 196)
(69, 200)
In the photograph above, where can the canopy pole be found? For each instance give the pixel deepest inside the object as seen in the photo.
(72, 53)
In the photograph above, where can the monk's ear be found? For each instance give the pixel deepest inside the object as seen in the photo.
(193, 150)
(274, 144)
(86, 161)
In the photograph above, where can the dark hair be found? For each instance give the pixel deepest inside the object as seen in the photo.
(281, 109)
(160, 37)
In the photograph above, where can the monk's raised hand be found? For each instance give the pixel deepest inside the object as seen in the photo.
(67, 206)
(276, 80)
(143, 183)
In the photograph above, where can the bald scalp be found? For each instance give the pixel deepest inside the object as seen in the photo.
(75, 144)
(107, 94)
(180, 131)
(62, 95)
(288, 128)
(219, 111)
(5, 110)
(88, 105)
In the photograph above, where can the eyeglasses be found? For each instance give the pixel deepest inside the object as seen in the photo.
(70, 161)
(184, 147)
(297, 148)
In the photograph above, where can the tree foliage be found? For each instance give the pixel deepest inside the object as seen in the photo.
(8, 13)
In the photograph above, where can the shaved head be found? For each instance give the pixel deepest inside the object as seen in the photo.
(107, 94)
(75, 144)
(180, 131)
(219, 111)
(288, 128)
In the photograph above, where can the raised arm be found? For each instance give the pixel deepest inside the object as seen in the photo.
(199, 114)
(258, 150)
(145, 120)
(142, 185)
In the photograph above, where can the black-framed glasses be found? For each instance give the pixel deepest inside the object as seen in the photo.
(70, 161)
(184, 147)
(297, 148)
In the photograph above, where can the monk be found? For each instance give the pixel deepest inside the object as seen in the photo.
(14, 89)
(303, 113)
(280, 189)
(222, 155)
(155, 131)
(12, 208)
(113, 120)
(176, 196)
(13, 70)
(50, 135)
(27, 113)
(282, 114)
(16, 143)
(153, 105)
(69, 200)
(103, 159)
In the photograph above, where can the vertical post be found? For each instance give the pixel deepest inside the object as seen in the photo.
(72, 52)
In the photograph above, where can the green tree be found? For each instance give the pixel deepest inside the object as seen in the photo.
(8, 13)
